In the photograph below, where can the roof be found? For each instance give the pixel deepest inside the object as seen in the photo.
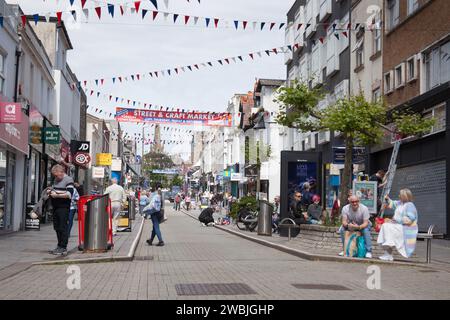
(268, 83)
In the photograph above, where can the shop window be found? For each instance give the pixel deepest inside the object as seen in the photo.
(400, 76)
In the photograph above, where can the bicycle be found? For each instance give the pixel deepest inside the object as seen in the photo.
(247, 220)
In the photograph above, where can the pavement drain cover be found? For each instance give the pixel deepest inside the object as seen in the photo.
(144, 258)
(333, 287)
(211, 289)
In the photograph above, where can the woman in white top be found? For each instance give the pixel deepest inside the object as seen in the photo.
(401, 231)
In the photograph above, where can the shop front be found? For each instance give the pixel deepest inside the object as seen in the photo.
(13, 152)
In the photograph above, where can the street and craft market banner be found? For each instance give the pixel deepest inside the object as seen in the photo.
(182, 118)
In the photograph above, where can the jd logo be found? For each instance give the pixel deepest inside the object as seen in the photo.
(84, 147)
(374, 280)
(74, 280)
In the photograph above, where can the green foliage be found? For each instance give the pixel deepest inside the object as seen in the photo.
(177, 181)
(298, 106)
(249, 202)
(356, 118)
(410, 124)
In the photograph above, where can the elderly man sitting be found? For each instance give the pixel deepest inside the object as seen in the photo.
(355, 217)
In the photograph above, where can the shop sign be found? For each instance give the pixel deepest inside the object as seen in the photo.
(98, 172)
(52, 135)
(10, 112)
(80, 153)
(36, 129)
(82, 159)
(116, 164)
(104, 159)
(359, 154)
(236, 177)
(16, 134)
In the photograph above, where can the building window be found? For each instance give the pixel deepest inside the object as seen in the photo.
(388, 85)
(413, 5)
(439, 114)
(360, 53)
(393, 7)
(437, 65)
(411, 69)
(2, 74)
(376, 95)
(399, 76)
(377, 35)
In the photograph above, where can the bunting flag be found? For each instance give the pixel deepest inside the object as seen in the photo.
(137, 5)
(99, 12)
(83, 2)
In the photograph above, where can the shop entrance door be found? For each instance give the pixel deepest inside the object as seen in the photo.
(7, 174)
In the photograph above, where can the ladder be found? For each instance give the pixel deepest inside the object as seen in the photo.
(390, 174)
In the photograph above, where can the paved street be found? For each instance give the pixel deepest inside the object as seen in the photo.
(200, 255)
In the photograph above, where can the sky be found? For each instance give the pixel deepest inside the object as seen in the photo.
(128, 45)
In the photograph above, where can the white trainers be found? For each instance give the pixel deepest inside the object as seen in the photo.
(368, 255)
(203, 225)
(387, 257)
(341, 254)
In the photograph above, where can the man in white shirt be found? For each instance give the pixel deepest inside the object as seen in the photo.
(118, 197)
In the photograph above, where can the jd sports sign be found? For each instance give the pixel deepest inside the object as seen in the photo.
(80, 151)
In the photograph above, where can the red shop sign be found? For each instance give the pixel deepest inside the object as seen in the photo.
(10, 112)
(16, 135)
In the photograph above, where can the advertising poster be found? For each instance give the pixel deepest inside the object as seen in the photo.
(366, 191)
(301, 172)
(182, 118)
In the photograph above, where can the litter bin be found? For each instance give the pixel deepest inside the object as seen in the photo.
(95, 224)
(265, 218)
(131, 208)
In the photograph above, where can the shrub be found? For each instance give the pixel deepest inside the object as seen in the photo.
(242, 203)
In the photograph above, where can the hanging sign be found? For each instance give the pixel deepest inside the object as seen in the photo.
(104, 159)
(52, 135)
(10, 112)
(182, 118)
(98, 172)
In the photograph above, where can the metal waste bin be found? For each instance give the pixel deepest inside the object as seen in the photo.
(265, 218)
(96, 224)
(131, 208)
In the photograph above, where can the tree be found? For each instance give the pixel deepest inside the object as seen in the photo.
(360, 122)
(157, 161)
(177, 181)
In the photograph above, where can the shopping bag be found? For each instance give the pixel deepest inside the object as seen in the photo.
(378, 223)
(350, 243)
(361, 246)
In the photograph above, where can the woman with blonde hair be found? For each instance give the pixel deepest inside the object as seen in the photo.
(401, 231)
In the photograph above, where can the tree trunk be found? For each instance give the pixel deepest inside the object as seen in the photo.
(348, 172)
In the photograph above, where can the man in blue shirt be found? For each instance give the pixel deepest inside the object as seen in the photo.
(154, 210)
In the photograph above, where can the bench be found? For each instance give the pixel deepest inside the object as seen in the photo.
(428, 237)
(290, 225)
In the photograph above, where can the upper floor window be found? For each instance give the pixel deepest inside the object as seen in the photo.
(439, 114)
(413, 5)
(360, 53)
(377, 35)
(393, 12)
(2, 73)
(437, 66)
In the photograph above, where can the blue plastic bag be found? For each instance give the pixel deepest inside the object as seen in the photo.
(361, 245)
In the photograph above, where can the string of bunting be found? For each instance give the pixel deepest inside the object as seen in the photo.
(191, 68)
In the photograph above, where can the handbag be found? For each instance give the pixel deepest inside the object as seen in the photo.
(378, 223)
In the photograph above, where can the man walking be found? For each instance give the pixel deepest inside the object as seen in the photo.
(61, 194)
(118, 197)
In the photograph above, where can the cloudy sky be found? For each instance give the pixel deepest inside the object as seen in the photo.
(128, 45)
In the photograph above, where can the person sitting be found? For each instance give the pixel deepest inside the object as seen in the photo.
(206, 217)
(307, 195)
(355, 217)
(297, 211)
(401, 231)
(314, 215)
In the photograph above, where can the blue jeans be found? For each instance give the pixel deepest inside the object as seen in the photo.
(155, 230)
(366, 234)
(71, 216)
